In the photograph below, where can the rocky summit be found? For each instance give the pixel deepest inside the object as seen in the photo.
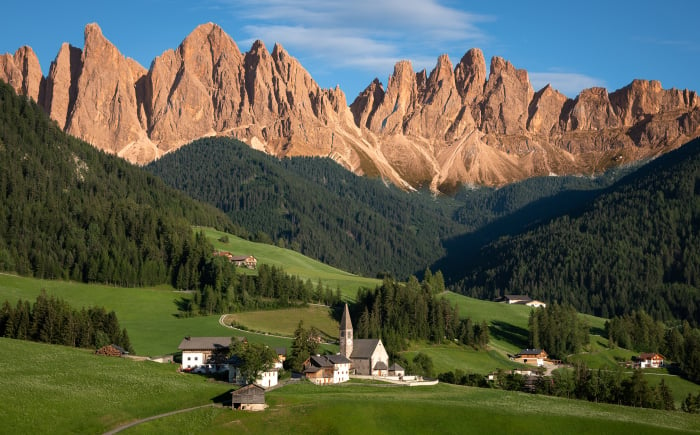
(455, 125)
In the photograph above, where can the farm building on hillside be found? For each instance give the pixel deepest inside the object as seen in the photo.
(327, 369)
(249, 398)
(522, 300)
(650, 360)
(248, 261)
(245, 261)
(533, 357)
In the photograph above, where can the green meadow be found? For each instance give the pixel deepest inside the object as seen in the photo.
(284, 322)
(148, 314)
(292, 262)
(449, 409)
(56, 389)
(64, 390)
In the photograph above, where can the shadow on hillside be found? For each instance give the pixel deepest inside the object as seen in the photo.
(462, 252)
(223, 399)
(184, 306)
(598, 331)
(509, 333)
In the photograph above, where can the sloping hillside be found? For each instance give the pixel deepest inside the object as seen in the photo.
(635, 247)
(314, 206)
(69, 211)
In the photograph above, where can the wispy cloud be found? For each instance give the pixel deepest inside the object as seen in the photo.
(362, 33)
(569, 84)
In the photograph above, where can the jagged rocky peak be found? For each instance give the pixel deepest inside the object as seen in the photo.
(451, 125)
(366, 103)
(470, 75)
(545, 110)
(506, 99)
(592, 111)
(62, 83)
(23, 72)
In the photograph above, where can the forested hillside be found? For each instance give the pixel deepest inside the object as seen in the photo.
(635, 247)
(314, 206)
(69, 211)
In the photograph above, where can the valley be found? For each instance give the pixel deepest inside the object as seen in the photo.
(452, 252)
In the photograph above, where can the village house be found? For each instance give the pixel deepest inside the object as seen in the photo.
(245, 261)
(533, 357)
(248, 398)
(367, 356)
(208, 353)
(327, 369)
(650, 360)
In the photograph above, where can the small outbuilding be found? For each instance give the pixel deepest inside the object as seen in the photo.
(249, 398)
(396, 370)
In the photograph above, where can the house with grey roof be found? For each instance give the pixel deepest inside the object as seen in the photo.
(204, 352)
(327, 369)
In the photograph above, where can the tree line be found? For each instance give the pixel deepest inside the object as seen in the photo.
(398, 312)
(558, 329)
(582, 383)
(52, 320)
(220, 289)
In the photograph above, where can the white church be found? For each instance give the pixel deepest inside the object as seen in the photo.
(367, 355)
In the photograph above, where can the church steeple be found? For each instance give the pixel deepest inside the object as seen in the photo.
(346, 334)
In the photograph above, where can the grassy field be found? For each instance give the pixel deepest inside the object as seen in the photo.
(148, 314)
(450, 356)
(292, 262)
(56, 389)
(448, 409)
(285, 322)
(63, 390)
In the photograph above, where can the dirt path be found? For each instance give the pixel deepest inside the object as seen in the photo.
(155, 417)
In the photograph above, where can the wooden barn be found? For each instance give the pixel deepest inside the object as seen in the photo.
(248, 398)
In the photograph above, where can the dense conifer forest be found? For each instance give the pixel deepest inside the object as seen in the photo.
(399, 312)
(69, 211)
(635, 247)
(313, 206)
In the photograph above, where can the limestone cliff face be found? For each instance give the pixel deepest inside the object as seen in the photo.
(456, 124)
(23, 72)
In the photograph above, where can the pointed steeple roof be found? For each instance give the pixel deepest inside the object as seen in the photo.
(346, 322)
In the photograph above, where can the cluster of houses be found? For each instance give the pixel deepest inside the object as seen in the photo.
(362, 357)
(248, 261)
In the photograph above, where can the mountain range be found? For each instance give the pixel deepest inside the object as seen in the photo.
(456, 125)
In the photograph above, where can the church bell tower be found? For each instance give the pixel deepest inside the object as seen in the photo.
(346, 334)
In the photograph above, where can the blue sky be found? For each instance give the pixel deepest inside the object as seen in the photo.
(572, 45)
